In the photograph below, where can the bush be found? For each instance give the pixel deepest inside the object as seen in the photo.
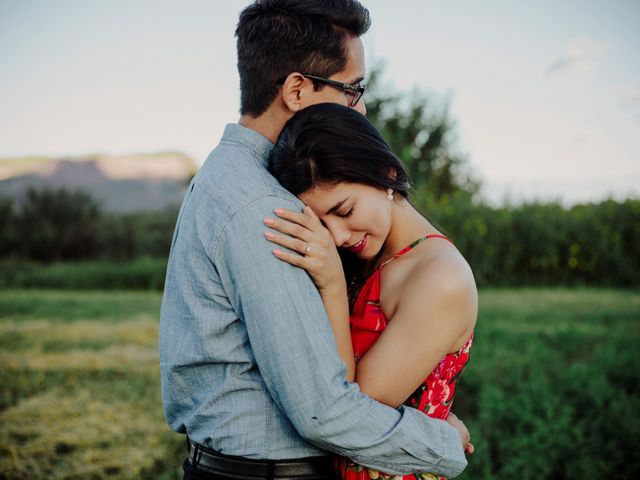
(58, 225)
(529, 244)
(149, 234)
(553, 389)
(144, 273)
(544, 244)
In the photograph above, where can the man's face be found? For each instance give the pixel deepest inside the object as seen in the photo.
(353, 73)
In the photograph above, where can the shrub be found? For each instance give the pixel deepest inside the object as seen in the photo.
(143, 273)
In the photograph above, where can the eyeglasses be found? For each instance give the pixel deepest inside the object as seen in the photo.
(356, 91)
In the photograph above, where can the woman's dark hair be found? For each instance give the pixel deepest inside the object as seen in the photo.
(327, 143)
(278, 37)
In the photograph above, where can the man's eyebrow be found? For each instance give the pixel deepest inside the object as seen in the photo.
(336, 206)
(356, 81)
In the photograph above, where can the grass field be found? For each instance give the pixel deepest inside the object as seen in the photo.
(552, 391)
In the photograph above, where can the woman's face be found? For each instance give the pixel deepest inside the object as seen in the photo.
(358, 216)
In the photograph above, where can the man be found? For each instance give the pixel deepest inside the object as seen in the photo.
(249, 364)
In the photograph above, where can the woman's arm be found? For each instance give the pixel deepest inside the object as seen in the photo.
(440, 295)
(336, 303)
(313, 249)
(436, 311)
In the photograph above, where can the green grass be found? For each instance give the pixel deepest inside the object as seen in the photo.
(552, 390)
(62, 306)
(79, 387)
(142, 273)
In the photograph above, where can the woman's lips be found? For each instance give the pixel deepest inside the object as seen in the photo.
(358, 247)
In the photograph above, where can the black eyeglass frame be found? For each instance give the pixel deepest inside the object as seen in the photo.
(356, 90)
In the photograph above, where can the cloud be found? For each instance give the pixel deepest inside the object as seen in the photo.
(579, 55)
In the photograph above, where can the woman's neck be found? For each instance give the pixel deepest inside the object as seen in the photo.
(407, 225)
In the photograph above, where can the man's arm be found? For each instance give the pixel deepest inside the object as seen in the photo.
(296, 353)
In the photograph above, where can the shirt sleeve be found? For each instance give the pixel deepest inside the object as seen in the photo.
(296, 354)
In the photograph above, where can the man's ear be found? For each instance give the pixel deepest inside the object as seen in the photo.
(293, 91)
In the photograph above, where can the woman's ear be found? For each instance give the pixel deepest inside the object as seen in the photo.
(293, 91)
(393, 173)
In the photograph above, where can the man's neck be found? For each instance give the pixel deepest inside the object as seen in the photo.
(269, 124)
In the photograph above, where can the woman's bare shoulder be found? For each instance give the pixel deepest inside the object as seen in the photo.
(441, 279)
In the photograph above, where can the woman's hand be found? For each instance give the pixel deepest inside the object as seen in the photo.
(311, 244)
(465, 436)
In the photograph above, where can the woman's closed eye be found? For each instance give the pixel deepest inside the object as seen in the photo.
(345, 214)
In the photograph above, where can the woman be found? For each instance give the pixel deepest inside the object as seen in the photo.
(404, 325)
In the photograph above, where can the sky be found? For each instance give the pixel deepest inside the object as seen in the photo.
(545, 95)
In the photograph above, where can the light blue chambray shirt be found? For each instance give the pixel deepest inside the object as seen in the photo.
(248, 358)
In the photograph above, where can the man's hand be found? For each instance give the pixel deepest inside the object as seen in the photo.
(465, 436)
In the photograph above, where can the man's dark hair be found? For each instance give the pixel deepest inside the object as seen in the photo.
(327, 143)
(278, 37)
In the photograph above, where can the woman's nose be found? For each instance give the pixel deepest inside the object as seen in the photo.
(340, 234)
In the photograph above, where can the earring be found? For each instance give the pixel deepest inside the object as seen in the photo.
(390, 193)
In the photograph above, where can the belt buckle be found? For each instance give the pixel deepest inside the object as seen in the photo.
(194, 454)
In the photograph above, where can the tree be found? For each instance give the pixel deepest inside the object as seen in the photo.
(8, 225)
(59, 225)
(423, 137)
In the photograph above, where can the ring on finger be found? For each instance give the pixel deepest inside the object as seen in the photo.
(307, 250)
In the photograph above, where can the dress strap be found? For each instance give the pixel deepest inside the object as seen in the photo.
(409, 247)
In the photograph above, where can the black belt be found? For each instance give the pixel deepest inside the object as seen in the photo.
(209, 460)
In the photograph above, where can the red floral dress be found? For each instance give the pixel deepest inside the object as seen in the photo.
(434, 396)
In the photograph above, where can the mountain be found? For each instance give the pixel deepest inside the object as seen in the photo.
(121, 184)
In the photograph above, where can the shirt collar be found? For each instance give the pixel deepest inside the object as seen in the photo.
(260, 145)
